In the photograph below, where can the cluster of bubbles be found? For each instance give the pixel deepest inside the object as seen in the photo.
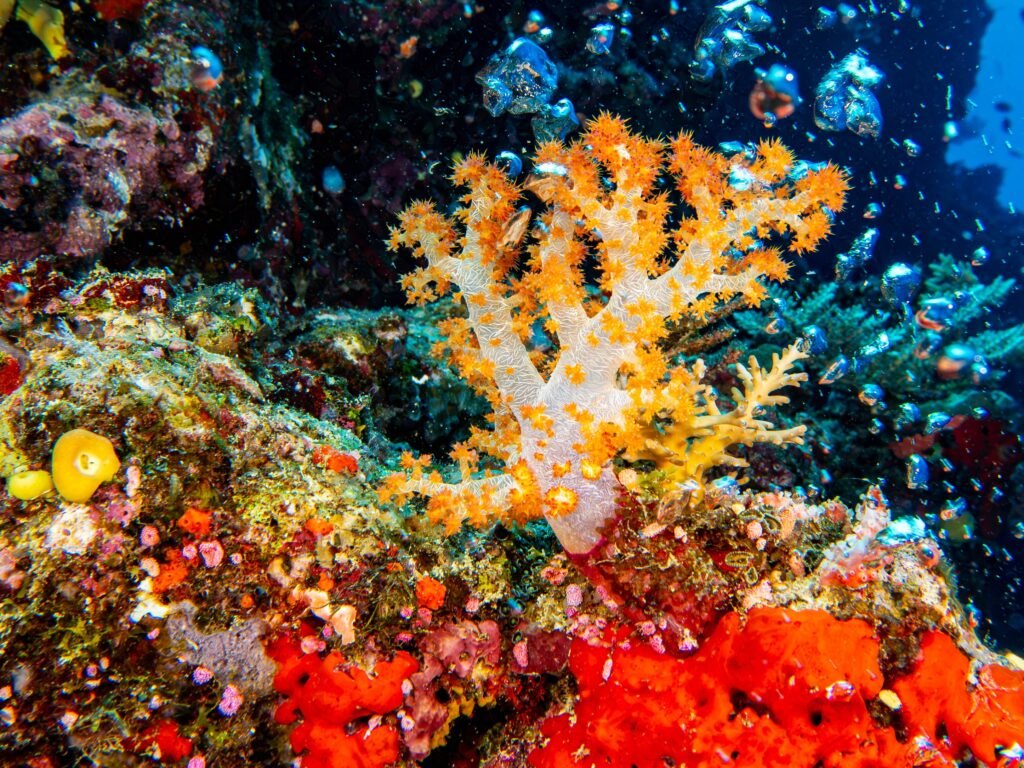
(207, 69)
(935, 315)
(777, 322)
(860, 252)
(858, 17)
(331, 180)
(918, 470)
(899, 285)
(536, 28)
(522, 80)
(776, 95)
(826, 18)
(814, 341)
(603, 34)
(845, 100)
(955, 360)
(601, 38)
(727, 37)
(741, 180)
(555, 121)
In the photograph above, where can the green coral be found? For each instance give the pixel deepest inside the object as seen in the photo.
(853, 315)
(844, 432)
(947, 275)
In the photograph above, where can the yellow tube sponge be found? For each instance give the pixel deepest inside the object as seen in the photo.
(30, 484)
(82, 461)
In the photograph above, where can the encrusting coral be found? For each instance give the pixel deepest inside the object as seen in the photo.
(574, 372)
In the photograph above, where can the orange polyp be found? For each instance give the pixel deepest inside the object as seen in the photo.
(561, 501)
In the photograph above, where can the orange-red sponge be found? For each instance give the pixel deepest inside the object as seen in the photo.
(329, 697)
(783, 688)
(944, 706)
(165, 740)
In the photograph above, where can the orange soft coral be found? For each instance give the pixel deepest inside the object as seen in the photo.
(333, 701)
(783, 688)
(577, 377)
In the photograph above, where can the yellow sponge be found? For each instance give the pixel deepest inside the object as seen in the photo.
(30, 484)
(82, 460)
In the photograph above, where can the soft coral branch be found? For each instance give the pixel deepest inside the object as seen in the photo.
(698, 440)
(575, 372)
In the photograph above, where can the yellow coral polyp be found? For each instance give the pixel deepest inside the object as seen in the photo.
(82, 461)
(30, 484)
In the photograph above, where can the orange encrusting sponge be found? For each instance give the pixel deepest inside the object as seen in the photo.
(941, 701)
(332, 698)
(783, 688)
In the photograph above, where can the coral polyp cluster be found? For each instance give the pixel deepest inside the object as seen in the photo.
(575, 371)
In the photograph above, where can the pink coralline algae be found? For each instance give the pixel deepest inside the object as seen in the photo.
(10, 575)
(74, 171)
(459, 646)
(451, 650)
